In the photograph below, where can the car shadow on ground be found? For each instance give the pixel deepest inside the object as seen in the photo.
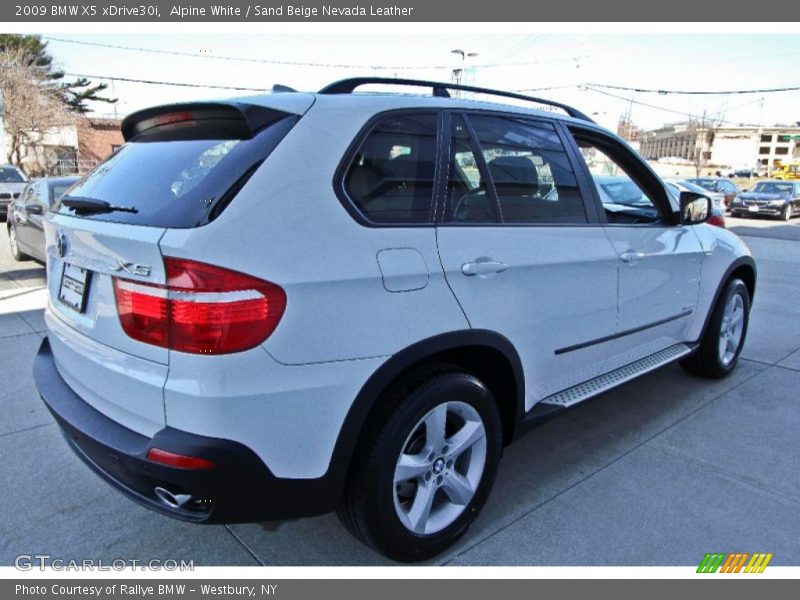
(779, 231)
(542, 465)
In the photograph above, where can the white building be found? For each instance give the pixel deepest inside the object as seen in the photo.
(730, 147)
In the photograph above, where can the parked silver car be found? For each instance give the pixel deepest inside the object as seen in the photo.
(12, 182)
(25, 215)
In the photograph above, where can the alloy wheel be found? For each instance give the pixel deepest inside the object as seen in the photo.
(440, 467)
(731, 329)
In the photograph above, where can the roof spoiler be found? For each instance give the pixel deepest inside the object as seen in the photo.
(243, 120)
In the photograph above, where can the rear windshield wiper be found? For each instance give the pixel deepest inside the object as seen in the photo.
(92, 205)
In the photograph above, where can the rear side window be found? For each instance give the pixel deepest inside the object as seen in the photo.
(390, 179)
(529, 170)
(177, 179)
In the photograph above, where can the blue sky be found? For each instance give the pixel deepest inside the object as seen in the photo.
(557, 61)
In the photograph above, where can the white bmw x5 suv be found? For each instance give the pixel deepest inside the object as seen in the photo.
(283, 305)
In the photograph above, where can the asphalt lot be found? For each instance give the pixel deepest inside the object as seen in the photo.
(657, 472)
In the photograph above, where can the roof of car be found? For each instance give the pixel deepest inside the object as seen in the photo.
(60, 179)
(298, 102)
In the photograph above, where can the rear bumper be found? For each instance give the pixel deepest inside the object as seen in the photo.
(240, 489)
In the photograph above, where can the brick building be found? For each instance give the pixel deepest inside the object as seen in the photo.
(74, 147)
(97, 139)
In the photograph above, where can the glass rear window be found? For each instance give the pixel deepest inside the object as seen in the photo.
(707, 184)
(176, 182)
(59, 189)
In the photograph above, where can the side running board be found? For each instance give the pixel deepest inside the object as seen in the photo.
(587, 389)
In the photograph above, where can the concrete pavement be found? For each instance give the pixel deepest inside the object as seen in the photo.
(657, 472)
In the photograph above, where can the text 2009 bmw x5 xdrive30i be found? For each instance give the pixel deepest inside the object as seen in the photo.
(283, 305)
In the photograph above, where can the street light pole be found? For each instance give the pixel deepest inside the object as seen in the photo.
(458, 72)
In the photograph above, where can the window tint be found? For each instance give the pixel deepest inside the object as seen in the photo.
(623, 199)
(391, 177)
(468, 199)
(529, 170)
(174, 180)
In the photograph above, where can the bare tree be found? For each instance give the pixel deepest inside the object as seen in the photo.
(31, 105)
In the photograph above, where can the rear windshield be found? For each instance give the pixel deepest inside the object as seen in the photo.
(175, 183)
(706, 184)
(11, 175)
(59, 189)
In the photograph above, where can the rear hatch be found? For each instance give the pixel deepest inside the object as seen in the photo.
(181, 166)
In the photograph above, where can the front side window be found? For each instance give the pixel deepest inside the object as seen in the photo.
(624, 200)
(529, 171)
(390, 179)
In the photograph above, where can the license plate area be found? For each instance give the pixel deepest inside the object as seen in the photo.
(752, 208)
(74, 287)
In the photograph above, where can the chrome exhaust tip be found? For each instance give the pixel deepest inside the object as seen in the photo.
(170, 499)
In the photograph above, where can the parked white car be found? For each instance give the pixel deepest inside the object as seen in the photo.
(282, 305)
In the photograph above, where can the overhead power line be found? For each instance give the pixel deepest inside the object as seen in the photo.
(695, 92)
(294, 63)
(661, 108)
(171, 83)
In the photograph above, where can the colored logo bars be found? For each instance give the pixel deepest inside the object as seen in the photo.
(735, 562)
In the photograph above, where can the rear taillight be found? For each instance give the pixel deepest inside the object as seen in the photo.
(202, 309)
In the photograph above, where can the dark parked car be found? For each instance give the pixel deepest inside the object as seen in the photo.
(25, 214)
(772, 198)
(718, 185)
(12, 182)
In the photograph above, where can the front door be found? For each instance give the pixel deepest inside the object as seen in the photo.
(659, 261)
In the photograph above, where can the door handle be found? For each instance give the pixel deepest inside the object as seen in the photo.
(631, 257)
(483, 266)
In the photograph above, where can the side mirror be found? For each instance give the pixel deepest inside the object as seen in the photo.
(34, 209)
(695, 208)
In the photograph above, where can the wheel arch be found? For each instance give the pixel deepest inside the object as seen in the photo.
(488, 355)
(743, 268)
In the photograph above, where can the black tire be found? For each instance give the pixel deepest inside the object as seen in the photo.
(787, 212)
(706, 360)
(16, 254)
(368, 506)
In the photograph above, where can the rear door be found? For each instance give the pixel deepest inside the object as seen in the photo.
(522, 250)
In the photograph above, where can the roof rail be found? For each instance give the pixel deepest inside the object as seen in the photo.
(348, 86)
